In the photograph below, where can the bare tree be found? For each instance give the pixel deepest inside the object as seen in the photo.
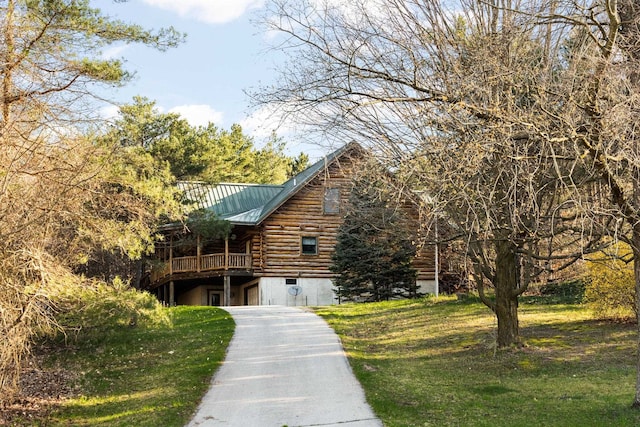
(600, 99)
(450, 94)
(524, 114)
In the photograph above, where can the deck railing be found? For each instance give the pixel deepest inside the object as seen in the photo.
(209, 262)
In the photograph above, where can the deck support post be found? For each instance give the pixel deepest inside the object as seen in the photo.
(199, 255)
(172, 300)
(227, 290)
(226, 253)
(165, 294)
(171, 255)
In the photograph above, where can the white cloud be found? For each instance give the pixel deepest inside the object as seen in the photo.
(299, 138)
(114, 52)
(209, 11)
(261, 123)
(109, 112)
(198, 115)
(355, 10)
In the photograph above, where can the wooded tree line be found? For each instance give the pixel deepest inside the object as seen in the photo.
(517, 118)
(203, 153)
(80, 199)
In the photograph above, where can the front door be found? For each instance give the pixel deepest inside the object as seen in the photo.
(215, 298)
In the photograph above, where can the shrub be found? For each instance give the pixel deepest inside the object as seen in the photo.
(610, 288)
(451, 283)
(28, 280)
(41, 298)
(569, 292)
(102, 306)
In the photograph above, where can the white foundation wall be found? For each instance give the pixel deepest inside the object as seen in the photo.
(427, 286)
(275, 291)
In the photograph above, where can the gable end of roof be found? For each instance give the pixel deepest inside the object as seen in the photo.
(299, 181)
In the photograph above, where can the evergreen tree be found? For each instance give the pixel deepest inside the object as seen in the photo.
(298, 164)
(203, 153)
(374, 249)
(273, 166)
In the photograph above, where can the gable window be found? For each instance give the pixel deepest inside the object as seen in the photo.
(309, 245)
(331, 200)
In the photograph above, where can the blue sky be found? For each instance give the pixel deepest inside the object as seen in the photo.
(204, 79)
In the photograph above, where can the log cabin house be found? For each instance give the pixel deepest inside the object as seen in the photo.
(279, 249)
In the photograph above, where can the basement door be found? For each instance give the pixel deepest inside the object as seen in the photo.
(215, 298)
(251, 295)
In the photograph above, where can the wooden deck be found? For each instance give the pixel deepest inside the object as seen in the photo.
(202, 263)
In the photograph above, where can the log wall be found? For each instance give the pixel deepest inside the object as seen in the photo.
(277, 247)
(303, 216)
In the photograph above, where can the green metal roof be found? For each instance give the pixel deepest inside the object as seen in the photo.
(250, 204)
(238, 203)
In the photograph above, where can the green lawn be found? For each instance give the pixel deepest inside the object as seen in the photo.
(433, 363)
(422, 363)
(145, 377)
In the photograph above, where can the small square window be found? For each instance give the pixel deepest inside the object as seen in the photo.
(331, 200)
(309, 245)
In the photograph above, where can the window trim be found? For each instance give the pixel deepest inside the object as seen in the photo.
(331, 206)
(302, 246)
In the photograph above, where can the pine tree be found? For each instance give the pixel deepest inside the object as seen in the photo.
(202, 153)
(374, 250)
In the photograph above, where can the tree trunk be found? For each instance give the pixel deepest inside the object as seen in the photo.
(636, 273)
(635, 246)
(7, 80)
(506, 284)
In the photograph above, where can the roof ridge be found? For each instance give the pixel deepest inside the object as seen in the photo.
(251, 203)
(290, 186)
(248, 184)
(205, 183)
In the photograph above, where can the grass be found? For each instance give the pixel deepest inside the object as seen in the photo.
(422, 363)
(142, 376)
(433, 363)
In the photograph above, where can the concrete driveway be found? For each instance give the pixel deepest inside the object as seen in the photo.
(284, 367)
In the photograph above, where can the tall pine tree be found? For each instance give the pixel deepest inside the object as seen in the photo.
(374, 247)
